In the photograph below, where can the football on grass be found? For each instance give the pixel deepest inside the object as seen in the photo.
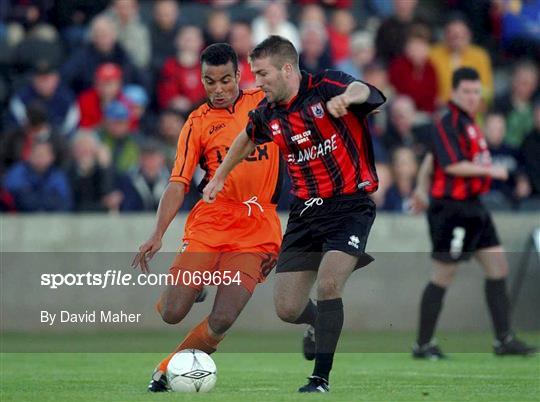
(191, 370)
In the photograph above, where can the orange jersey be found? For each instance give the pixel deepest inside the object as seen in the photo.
(205, 140)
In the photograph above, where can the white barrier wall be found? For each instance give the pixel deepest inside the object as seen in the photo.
(382, 296)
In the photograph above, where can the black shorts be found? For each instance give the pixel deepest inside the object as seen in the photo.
(459, 228)
(340, 223)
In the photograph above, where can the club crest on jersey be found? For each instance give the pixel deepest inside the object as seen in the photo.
(471, 131)
(317, 110)
(275, 126)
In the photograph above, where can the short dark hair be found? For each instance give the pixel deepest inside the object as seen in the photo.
(276, 46)
(219, 54)
(36, 114)
(464, 74)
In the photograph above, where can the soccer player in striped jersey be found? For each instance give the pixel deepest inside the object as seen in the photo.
(319, 123)
(460, 226)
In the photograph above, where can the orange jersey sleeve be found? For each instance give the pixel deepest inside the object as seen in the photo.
(207, 138)
(188, 152)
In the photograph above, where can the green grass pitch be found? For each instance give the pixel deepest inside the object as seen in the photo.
(369, 367)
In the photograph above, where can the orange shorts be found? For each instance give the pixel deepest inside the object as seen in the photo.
(227, 243)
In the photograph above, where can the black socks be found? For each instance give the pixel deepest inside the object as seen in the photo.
(498, 304)
(327, 331)
(430, 308)
(309, 314)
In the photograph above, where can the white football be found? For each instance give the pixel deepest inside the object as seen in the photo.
(191, 370)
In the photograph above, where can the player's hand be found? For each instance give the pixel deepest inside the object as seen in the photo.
(145, 254)
(499, 173)
(419, 201)
(337, 106)
(212, 189)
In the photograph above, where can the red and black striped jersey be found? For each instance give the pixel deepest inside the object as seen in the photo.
(326, 156)
(458, 138)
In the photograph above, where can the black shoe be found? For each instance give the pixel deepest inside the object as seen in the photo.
(308, 343)
(201, 296)
(159, 383)
(315, 384)
(428, 351)
(510, 345)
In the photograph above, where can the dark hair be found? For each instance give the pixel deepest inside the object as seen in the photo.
(419, 31)
(464, 74)
(456, 16)
(219, 54)
(36, 114)
(279, 48)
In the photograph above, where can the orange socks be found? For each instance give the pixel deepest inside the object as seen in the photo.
(198, 338)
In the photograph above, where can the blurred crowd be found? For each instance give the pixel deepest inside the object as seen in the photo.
(94, 93)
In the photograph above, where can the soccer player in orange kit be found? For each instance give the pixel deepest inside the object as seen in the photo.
(237, 238)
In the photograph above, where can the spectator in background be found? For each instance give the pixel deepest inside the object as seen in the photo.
(376, 74)
(31, 34)
(163, 32)
(16, 145)
(79, 70)
(413, 74)
(90, 176)
(362, 51)
(180, 83)
(107, 87)
(517, 104)
(37, 185)
(391, 35)
(133, 35)
(402, 131)
(314, 56)
(530, 150)
(241, 40)
(517, 186)
(384, 172)
(404, 168)
(457, 51)
(170, 124)
(45, 87)
(520, 28)
(143, 186)
(118, 138)
(312, 13)
(72, 19)
(7, 203)
(342, 25)
(218, 27)
(274, 22)
(137, 101)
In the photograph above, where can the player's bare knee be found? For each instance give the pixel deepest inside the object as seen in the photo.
(220, 321)
(172, 315)
(328, 288)
(287, 312)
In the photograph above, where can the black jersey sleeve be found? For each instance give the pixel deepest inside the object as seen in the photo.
(256, 129)
(445, 142)
(335, 82)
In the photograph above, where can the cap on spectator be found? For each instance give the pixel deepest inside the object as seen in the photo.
(108, 72)
(44, 66)
(116, 110)
(136, 94)
(151, 146)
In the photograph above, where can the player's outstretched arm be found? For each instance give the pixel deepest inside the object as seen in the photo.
(170, 203)
(356, 93)
(420, 196)
(469, 169)
(241, 147)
